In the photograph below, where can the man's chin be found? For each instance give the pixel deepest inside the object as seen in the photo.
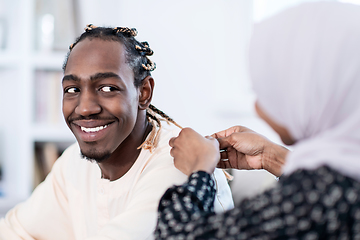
(95, 156)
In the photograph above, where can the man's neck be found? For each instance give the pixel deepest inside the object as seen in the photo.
(122, 159)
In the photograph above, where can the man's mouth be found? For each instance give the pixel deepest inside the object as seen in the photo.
(94, 129)
(91, 130)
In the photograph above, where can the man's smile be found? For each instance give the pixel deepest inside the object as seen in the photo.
(91, 130)
(95, 129)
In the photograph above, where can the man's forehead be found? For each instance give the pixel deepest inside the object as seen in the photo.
(99, 48)
(92, 78)
(97, 55)
(92, 58)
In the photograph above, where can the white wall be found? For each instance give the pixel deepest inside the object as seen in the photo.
(199, 50)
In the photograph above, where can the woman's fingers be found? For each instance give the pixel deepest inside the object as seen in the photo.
(229, 131)
(223, 154)
(171, 141)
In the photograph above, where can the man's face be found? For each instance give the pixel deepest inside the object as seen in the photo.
(100, 102)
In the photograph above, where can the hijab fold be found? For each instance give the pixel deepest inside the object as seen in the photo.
(305, 68)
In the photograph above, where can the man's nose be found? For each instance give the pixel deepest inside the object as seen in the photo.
(88, 104)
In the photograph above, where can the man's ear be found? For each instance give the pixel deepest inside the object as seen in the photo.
(146, 91)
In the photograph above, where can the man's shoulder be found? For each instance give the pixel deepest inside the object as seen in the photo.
(168, 131)
(159, 161)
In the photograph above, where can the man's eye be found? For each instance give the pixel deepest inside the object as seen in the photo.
(107, 89)
(72, 90)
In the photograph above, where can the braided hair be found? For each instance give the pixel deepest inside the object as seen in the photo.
(136, 52)
(137, 58)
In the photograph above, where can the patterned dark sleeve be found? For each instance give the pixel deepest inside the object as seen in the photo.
(181, 207)
(308, 204)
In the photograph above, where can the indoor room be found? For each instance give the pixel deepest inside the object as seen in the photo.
(201, 77)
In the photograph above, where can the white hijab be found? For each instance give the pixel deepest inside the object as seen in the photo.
(305, 68)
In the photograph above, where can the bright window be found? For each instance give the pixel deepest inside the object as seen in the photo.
(351, 1)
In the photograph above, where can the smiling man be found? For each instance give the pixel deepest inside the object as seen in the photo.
(108, 184)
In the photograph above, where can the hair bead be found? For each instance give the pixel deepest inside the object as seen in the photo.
(146, 44)
(90, 27)
(130, 32)
(150, 66)
(133, 32)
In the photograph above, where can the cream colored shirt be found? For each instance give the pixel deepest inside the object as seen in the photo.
(74, 202)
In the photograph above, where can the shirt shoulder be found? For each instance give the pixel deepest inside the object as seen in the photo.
(167, 132)
(160, 160)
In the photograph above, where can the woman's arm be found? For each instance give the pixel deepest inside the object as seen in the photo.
(183, 209)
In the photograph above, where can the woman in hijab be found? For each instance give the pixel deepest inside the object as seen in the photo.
(305, 68)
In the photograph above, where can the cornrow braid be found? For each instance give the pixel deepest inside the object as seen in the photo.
(137, 53)
(144, 49)
(163, 115)
(151, 66)
(89, 27)
(155, 116)
(130, 32)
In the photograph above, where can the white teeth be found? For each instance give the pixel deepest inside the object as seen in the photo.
(95, 129)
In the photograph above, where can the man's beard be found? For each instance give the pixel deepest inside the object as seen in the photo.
(95, 156)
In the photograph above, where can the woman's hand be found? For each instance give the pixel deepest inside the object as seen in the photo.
(193, 152)
(246, 149)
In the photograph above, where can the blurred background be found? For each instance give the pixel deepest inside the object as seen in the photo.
(201, 77)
